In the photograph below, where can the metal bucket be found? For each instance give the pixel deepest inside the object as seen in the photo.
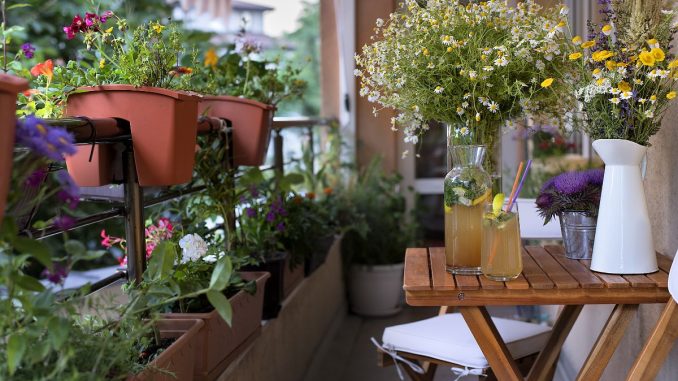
(579, 232)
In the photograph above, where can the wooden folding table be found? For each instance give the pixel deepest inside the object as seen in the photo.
(548, 278)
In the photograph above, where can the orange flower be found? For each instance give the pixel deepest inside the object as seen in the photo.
(43, 68)
(310, 195)
(328, 191)
(31, 92)
(297, 200)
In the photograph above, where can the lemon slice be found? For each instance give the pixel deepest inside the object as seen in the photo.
(497, 203)
(481, 198)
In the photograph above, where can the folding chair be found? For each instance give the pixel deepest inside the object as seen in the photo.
(664, 335)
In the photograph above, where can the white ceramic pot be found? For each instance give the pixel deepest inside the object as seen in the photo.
(623, 243)
(375, 290)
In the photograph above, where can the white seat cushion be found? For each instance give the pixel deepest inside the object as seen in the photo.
(448, 338)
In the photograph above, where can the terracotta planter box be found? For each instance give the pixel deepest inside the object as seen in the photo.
(178, 358)
(93, 173)
(163, 124)
(251, 125)
(292, 277)
(218, 344)
(10, 86)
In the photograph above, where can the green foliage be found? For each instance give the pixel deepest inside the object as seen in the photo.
(388, 232)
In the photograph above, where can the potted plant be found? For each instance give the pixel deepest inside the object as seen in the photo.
(245, 91)
(374, 251)
(133, 78)
(10, 86)
(624, 82)
(574, 197)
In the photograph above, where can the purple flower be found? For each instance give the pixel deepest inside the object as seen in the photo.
(57, 275)
(544, 201)
(254, 192)
(64, 222)
(70, 192)
(51, 142)
(70, 33)
(28, 50)
(595, 176)
(270, 217)
(251, 212)
(36, 178)
(104, 16)
(570, 182)
(280, 227)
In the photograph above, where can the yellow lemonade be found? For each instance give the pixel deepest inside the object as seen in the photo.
(501, 258)
(463, 226)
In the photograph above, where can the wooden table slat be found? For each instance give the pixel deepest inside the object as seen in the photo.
(417, 276)
(467, 282)
(583, 275)
(610, 280)
(555, 271)
(441, 279)
(534, 274)
(520, 283)
(640, 281)
(488, 284)
(660, 278)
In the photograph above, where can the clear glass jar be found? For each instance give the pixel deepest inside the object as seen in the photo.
(501, 249)
(468, 189)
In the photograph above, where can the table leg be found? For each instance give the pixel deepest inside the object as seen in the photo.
(545, 364)
(607, 342)
(490, 342)
(658, 346)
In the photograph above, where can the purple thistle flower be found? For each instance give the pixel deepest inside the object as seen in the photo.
(28, 49)
(251, 212)
(544, 201)
(64, 222)
(56, 276)
(36, 178)
(570, 182)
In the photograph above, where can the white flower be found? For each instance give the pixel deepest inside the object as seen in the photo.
(193, 247)
(405, 153)
(357, 73)
(439, 89)
(501, 61)
(467, 95)
(540, 65)
(564, 11)
(472, 74)
(615, 91)
(649, 114)
(614, 100)
(642, 100)
(380, 23)
(626, 95)
(464, 104)
(493, 106)
(464, 131)
(488, 68)
(210, 258)
(622, 71)
(637, 81)
(460, 111)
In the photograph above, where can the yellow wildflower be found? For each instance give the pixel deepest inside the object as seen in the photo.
(607, 30)
(425, 51)
(600, 81)
(477, 117)
(211, 57)
(102, 63)
(624, 86)
(671, 95)
(610, 65)
(601, 55)
(575, 56)
(449, 49)
(588, 44)
(157, 27)
(596, 73)
(109, 30)
(658, 54)
(673, 64)
(547, 82)
(646, 58)
(576, 40)
(653, 43)
(653, 98)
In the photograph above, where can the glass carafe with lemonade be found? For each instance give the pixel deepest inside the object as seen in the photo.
(501, 255)
(467, 191)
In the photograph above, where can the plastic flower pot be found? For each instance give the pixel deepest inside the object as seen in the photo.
(251, 125)
(273, 264)
(293, 276)
(10, 86)
(94, 173)
(218, 343)
(163, 125)
(178, 358)
(318, 256)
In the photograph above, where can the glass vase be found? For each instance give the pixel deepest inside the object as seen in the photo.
(467, 190)
(488, 135)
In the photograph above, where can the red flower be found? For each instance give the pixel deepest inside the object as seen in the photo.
(43, 68)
